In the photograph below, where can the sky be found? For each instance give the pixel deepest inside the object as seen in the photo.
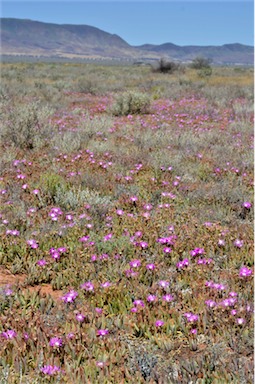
(181, 22)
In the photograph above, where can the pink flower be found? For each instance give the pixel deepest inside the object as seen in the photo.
(143, 244)
(33, 243)
(182, 264)
(100, 364)
(88, 286)
(191, 317)
(197, 251)
(41, 262)
(135, 263)
(106, 284)
(102, 332)
(50, 370)
(247, 205)
(151, 298)
(56, 342)
(163, 283)
(221, 242)
(80, 317)
(147, 207)
(10, 334)
(240, 321)
(151, 267)
(167, 298)
(245, 272)
(108, 237)
(159, 323)
(70, 296)
(210, 303)
(238, 243)
(138, 303)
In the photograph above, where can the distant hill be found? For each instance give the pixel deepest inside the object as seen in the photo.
(34, 38)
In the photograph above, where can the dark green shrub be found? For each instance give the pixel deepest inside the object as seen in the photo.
(164, 66)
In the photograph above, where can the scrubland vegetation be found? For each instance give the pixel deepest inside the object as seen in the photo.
(126, 223)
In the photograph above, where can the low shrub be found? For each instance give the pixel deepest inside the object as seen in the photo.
(26, 126)
(129, 103)
(165, 66)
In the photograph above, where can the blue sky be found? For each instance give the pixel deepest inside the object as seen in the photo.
(204, 22)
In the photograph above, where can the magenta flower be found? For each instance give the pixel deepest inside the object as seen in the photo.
(88, 286)
(108, 237)
(83, 239)
(9, 334)
(130, 273)
(106, 284)
(213, 285)
(204, 261)
(210, 303)
(197, 251)
(143, 244)
(163, 283)
(233, 312)
(245, 272)
(183, 263)
(100, 364)
(69, 297)
(50, 370)
(135, 263)
(238, 243)
(191, 317)
(55, 254)
(7, 291)
(93, 257)
(151, 298)
(193, 331)
(221, 242)
(13, 232)
(138, 303)
(151, 267)
(41, 262)
(240, 321)
(159, 323)
(167, 298)
(56, 342)
(70, 335)
(80, 317)
(228, 302)
(33, 243)
(102, 332)
(247, 205)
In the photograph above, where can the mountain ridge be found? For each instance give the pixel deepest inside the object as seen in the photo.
(31, 37)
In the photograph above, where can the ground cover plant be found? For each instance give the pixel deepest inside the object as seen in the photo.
(126, 223)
